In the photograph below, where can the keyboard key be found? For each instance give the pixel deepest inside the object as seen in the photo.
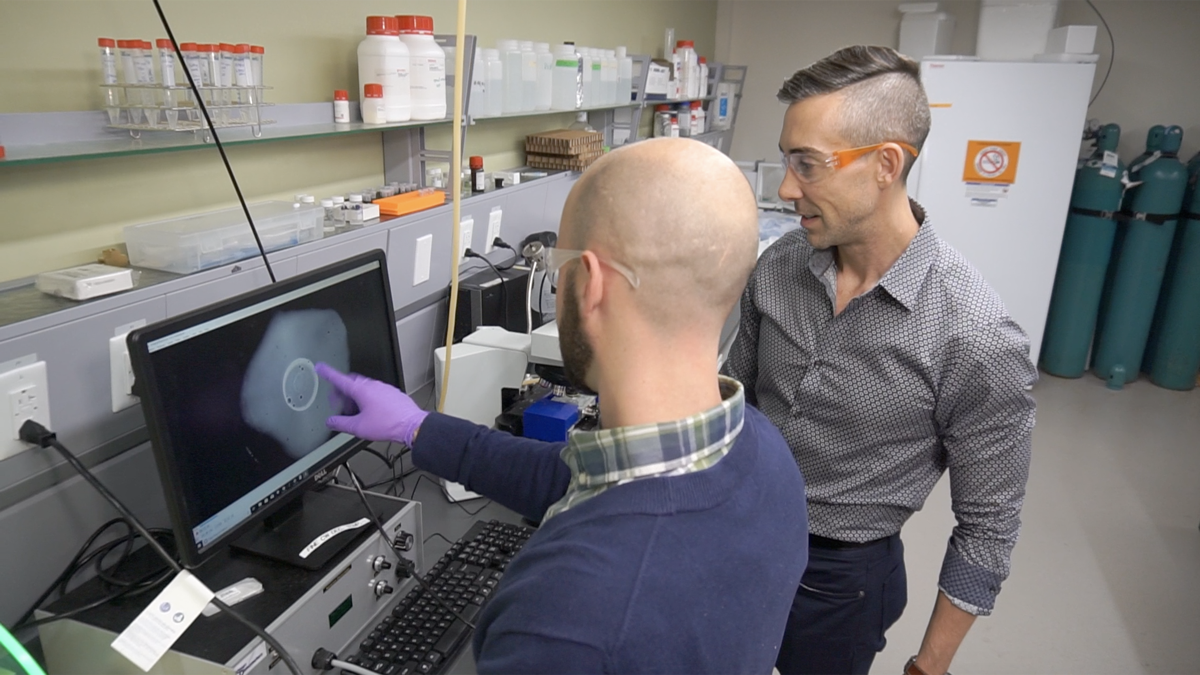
(433, 657)
(367, 645)
(378, 666)
(390, 655)
(409, 668)
(449, 640)
(425, 667)
(479, 600)
(392, 669)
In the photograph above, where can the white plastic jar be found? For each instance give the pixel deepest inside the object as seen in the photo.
(703, 78)
(545, 75)
(374, 105)
(427, 67)
(495, 82)
(478, 102)
(510, 55)
(383, 60)
(689, 70)
(529, 77)
(564, 84)
(588, 99)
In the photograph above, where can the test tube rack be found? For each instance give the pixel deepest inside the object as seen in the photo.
(155, 107)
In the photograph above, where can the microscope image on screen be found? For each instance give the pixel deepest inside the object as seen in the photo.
(282, 396)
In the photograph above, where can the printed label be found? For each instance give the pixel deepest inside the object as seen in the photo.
(320, 540)
(166, 618)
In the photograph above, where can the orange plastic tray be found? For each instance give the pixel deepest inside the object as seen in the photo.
(410, 202)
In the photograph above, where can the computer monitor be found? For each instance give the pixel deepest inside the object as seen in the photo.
(237, 414)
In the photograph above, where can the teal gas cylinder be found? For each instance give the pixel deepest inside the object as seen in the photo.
(1143, 247)
(1086, 249)
(1173, 354)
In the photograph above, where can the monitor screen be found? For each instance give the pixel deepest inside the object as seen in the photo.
(235, 410)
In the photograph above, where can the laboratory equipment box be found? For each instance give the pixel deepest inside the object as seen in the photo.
(192, 243)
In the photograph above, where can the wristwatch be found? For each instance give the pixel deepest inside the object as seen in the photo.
(911, 668)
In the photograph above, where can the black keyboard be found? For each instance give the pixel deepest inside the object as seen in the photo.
(421, 636)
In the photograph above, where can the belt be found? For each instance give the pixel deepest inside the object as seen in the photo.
(817, 541)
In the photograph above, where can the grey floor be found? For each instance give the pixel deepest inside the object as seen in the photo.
(1106, 576)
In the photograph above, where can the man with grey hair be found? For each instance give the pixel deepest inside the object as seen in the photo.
(885, 359)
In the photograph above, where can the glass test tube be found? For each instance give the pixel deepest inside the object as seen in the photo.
(108, 71)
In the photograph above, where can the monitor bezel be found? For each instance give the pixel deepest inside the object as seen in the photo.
(160, 441)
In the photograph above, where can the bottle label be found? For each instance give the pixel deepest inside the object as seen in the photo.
(242, 71)
(145, 69)
(166, 64)
(108, 64)
(563, 63)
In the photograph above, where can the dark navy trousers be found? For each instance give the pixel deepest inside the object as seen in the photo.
(847, 600)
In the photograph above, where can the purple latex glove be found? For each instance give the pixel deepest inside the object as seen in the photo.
(384, 412)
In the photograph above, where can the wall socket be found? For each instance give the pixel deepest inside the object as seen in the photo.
(26, 396)
(121, 368)
(466, 230)
(493, 229)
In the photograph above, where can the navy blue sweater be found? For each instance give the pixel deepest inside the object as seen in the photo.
(686, 574)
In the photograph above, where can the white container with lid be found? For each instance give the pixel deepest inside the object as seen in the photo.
(529, 77)
(608, 72)
(588, 99)
(374, 106)
(510, 56)
(624, 77)
(689, 69)
(545, 75)
(427, 67)
(192, 243)
(564, 80)
(383, 60)
(1014, 30)
(478, 102)
(495, 82)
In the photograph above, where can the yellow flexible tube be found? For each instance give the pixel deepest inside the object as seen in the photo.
(456, 152)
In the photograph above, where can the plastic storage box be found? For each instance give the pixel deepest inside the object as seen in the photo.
(192, 243)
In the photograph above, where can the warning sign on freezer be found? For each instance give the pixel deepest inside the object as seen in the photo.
(991, 162)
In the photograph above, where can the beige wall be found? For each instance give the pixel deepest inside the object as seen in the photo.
(1153, 79)
(61, 214)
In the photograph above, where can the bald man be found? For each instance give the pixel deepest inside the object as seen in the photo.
(674, 538)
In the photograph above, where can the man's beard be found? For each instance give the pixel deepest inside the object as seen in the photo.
(577, 354)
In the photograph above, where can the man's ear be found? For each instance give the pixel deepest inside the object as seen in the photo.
(590, 283)
(891, 164)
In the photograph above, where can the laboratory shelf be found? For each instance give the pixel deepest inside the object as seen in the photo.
(121, 144)
(543, 113)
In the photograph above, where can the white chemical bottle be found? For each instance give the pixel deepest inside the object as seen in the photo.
(624, 77)
(383, 60)
(529, 76)
(703, 78)
(427, 67)
(478, 104)
(697, 118)
(597, 76)
(374, 105)
(588, 98)
(689, 69)
(545, 75)
(564, 88)
(495, 82)
(610, 76)
(510, 54)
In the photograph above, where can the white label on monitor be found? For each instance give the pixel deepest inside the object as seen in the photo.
(319, 541)
(158, 626)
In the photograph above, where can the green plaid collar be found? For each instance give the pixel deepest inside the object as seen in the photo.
(600, 459)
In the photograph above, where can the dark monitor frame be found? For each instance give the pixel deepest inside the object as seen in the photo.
(165, 455)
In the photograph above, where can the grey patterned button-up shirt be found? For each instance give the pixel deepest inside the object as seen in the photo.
(923, 373)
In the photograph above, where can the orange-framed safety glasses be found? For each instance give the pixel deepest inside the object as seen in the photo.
(811, 167)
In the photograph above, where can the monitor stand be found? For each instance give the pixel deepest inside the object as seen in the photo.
(300, 525)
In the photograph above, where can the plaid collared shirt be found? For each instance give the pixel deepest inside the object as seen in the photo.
(606, 458)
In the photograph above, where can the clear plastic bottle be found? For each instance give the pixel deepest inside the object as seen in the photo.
(496, 91)
(564, 90)
(588, 99)
(529, 76)
(427, 67)
(478, 103)
(383, 60)
(545, 75)
(339, 211)
(610, 76)
(624, 77)
(689, 75)
(683, 114)
(581, 122)
(510, 54)
(108, 75)
(352, 211)
(331, 215)
(597, 76)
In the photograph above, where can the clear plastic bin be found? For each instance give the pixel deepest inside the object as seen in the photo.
(192, 243)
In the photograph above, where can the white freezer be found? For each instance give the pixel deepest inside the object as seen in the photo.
(1010, 232)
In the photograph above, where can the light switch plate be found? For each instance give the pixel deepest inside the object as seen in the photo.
(26, 396)
(494, 219)
(121, 368)
(424, 258)
(466, 230)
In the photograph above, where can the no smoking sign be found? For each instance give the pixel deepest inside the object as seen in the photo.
(991, 162)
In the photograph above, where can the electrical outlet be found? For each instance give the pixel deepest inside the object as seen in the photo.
(466, 230)
(423, 260)
(23, 383)
(121, 368)
(493, 228)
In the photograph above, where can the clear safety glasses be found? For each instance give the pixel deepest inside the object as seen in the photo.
(810, 167)
(557, 257)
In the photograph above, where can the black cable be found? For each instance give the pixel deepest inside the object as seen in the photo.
(439, 535)
(460, 506)
(152, 581)
(187, 72)
(1112, 54)
(380, 455)
(32, 432)
(542, 294)
(401, 560)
